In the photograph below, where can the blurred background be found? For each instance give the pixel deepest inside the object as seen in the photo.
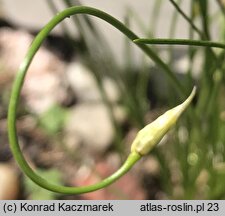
(89, 90)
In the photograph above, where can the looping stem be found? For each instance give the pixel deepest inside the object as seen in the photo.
(18, 83)
(16, 90)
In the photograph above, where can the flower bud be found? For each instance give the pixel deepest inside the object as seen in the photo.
(151, 134)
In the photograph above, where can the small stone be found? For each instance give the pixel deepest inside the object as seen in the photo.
(89, 128)
(84, 85)
(9, 182)
(44, 83)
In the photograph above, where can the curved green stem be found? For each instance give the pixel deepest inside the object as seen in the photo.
(165, 41)
(17, 86)
(131, 160)
(14, 99)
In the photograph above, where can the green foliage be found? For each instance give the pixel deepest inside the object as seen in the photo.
(53, 119)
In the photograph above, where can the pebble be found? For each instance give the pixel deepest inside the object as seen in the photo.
(9, 182)
(84, 85)
(89, 127)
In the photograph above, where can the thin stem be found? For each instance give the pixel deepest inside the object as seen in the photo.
(203, 5)
(204, 35)
(18, 83)
(54, 11)
(128, 164)
(187, 18)
(165, 41)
